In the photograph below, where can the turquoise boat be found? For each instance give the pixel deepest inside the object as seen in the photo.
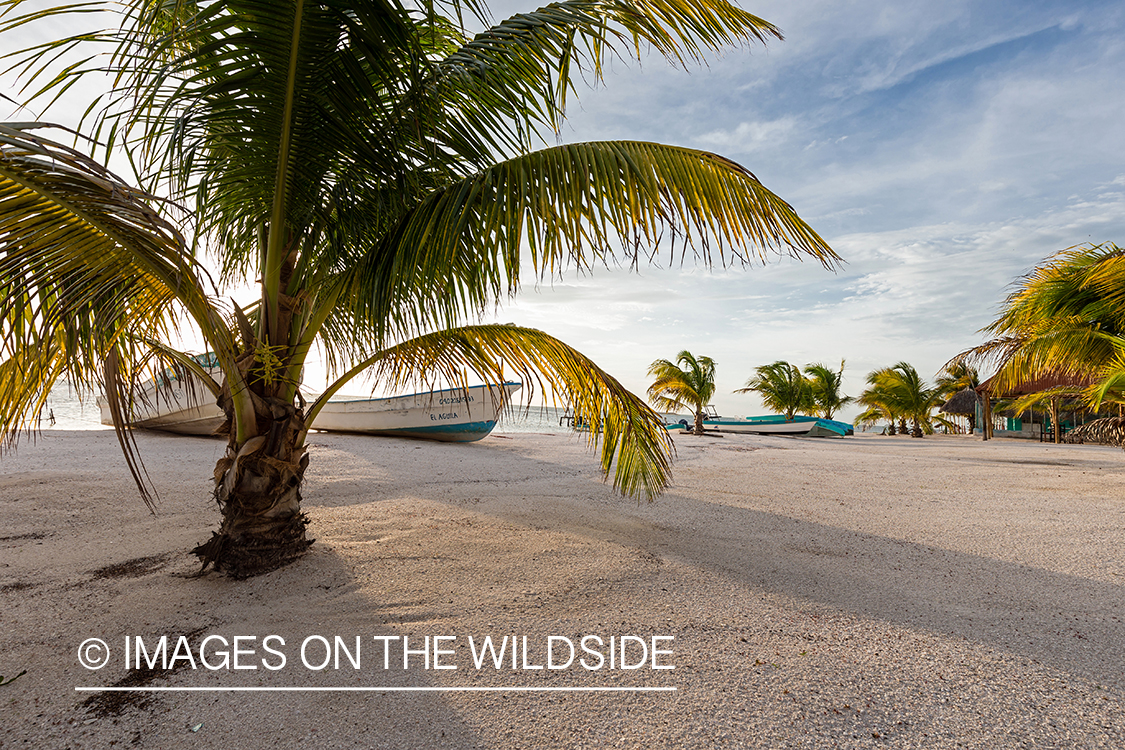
(772, 424)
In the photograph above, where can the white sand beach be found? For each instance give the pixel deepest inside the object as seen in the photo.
(866, 592)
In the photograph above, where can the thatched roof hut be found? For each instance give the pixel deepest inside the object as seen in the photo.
(1073, 383)
(1060, 384)
(963, 402)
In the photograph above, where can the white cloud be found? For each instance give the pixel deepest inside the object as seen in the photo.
(748, 137)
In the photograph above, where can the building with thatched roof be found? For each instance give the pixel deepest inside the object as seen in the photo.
(965, 403)
(1060, 384)
(1057, 381)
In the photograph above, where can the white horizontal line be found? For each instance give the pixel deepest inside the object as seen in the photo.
(377, 689)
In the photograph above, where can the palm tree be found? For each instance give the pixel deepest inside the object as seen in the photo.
(690, 386)
(956, 377)
(782, 388)
(879, 404)
(1065, 318)
(900, 392)
(826, 386)
(371, 170)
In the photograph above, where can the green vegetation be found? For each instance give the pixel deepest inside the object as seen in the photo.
(899, 393)
(782, 388)
(373, 172)
(825, 386)
(689, 382)
(1065, 320)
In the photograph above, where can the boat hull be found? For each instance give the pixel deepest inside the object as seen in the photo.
(457, 415)
(184, 407)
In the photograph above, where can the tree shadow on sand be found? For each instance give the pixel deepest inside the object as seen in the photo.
(1066, 622)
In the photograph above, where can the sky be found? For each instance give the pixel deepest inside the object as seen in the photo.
(942, 149)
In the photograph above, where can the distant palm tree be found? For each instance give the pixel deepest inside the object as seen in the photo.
(826, 385)
(690, 386)
(782, 388)
(901, 392)
(880, 405)
(955, 377)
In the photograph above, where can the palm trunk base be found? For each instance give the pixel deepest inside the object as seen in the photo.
(258, 488)
(251, 553)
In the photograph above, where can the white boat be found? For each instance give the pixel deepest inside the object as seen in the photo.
(458, 415)
(462, 415)
(172, 404)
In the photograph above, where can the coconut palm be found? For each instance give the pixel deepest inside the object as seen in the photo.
(955, 377)
(371, 170)
(958, 380)
(826, 385)
(1066, 318)
(900, 392)
(689, 382)
(879, 403)
(782, 388)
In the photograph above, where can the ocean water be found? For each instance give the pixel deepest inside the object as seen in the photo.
(535, 419)
(69, 409)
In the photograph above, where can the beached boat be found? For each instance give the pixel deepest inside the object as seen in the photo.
(773, 424)
(174, 404)
(459, 415)
(185, 406)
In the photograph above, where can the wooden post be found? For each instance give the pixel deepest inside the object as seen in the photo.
(987, 428)
(1055, 419)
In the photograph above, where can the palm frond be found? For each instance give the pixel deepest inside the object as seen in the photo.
(573, 206)
(89, 272)
(521, 70)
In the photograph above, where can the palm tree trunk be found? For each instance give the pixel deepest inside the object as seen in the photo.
(258, 488)
(699, 422)
(917, 431)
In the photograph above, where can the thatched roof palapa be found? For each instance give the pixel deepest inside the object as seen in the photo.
(963, 402)
(1075, 383)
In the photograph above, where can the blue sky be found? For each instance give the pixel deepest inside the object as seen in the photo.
(943, 149)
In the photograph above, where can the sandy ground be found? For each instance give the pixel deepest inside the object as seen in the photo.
(868, 592)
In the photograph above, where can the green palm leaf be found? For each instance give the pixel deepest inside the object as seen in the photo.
(88, 271)
(572, 205)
